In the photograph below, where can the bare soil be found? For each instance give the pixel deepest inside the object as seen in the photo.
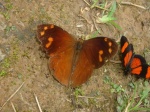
(25, 61)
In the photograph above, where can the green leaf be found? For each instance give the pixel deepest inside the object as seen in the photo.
(115, 25)
(106, 19)
(112, 9)
(95, 2)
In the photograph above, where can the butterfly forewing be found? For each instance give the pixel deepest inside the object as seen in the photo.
(54, 39)
(100, 49)
(124, 44)
(93, 54)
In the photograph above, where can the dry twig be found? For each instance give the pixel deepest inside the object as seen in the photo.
(126, 109)
(117, 62)
(24, 100)
(13, 107)
(89, 97)
(86, 2)
(12, 96)
(38, 103)
(129, 3)
(96, 6)
(95, 25)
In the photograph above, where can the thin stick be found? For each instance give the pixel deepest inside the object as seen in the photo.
(12, 96)
(86, 2)
(95, 6)
(113, 61)
(126, 109)
(13, 107)
(95, 25)
(85, 19)
(129, 3)
(38, 103)
(101, 8)
(89, 97)
(23, 99)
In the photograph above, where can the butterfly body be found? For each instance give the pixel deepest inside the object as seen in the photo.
(133, 63)
(73, 60)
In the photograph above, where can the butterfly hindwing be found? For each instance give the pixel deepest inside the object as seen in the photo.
(139, 67)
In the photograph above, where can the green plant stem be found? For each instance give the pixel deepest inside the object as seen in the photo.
(132, 100)
(140, 101)
(96, 6)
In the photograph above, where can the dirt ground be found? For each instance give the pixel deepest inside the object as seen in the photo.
(22, 59)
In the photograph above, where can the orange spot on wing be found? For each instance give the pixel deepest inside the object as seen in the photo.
(127, 58)
(51, 26)
(148, 72)
(45, 28)
(110, 44)
(50, 40)
(124, 47)
(137, 70)
(105, 39)
(100, 57)
(110, 50)
(42, 33)
(135, 62)
(101, 52)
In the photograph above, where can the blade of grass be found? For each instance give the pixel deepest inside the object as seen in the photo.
(112, 9)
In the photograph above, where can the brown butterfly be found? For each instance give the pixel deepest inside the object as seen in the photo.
(72, 60)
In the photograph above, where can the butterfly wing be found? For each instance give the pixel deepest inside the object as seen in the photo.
(59, 45)
(146, 70)
(139, 67)
(127, 53)
(124, 44)
(93, 54)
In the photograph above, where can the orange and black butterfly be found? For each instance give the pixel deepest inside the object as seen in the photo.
(133, 63)
(72, 60)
